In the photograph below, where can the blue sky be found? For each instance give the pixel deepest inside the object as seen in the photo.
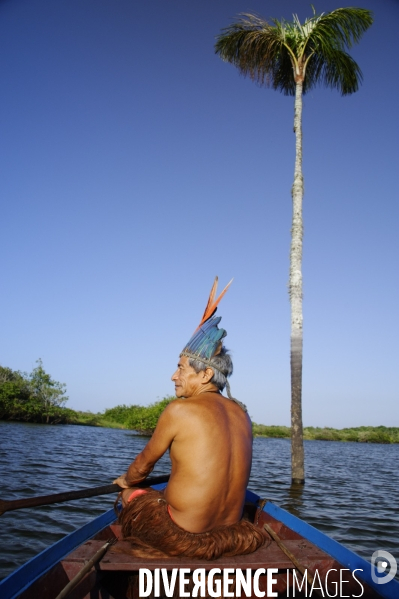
(135, 166)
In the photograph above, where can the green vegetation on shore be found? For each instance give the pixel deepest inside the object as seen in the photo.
(142, 419)
(33, 397)
(36, 397)
(361, 434)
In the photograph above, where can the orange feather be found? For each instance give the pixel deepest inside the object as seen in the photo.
(212, 304)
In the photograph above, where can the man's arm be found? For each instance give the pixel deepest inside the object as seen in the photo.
(160, 441)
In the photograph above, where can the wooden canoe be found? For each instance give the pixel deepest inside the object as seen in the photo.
(44, 576)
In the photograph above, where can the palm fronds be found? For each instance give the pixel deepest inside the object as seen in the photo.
(344, 26)
(281, 53)
(252, 45)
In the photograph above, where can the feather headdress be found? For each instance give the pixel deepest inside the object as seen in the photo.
(206, 342)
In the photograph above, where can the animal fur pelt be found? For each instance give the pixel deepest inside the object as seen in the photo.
(147, 525)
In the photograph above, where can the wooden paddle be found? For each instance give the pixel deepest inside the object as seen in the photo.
(292, 557)
(97, 557)
(17, 504)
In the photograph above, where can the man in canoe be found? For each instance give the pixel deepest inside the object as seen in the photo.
(209, 438)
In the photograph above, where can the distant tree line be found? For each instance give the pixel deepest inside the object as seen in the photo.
(143, 419)
(360, 434)
(36, 397)
(139, 418)
(33, 397)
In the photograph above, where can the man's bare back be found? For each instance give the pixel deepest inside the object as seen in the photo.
(210, 442)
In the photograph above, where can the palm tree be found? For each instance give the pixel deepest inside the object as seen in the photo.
(293, 58)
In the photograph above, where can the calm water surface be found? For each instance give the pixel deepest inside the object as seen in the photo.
(351, 491)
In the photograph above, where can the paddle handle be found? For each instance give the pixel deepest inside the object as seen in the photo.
(304, 571)
(17, 504)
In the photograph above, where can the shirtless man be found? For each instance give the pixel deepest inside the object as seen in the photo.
(209, 438)
(210, 443)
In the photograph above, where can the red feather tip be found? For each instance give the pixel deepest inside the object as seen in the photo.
(212, 304)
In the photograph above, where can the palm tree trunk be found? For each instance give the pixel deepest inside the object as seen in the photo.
(295, 291)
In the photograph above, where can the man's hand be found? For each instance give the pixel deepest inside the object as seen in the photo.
(121, 481)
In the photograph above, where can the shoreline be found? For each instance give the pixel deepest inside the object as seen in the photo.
(362, 434)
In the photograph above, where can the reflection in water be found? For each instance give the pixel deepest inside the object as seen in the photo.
(294, 501)
(349, 491)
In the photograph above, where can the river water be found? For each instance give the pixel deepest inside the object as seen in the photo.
(351, 491)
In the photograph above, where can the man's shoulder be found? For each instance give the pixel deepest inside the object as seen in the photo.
(172, 416)
(216, 403)
(204, 402)
(180, 407)
(176, 407)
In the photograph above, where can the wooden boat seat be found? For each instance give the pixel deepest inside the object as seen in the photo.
(128, 566)
(116, 576)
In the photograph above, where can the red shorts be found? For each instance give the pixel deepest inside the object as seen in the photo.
(136, 493)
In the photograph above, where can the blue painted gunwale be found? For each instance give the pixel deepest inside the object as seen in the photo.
(19, 580)
(346, 557)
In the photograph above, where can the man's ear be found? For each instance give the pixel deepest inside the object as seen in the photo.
(208, 374)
